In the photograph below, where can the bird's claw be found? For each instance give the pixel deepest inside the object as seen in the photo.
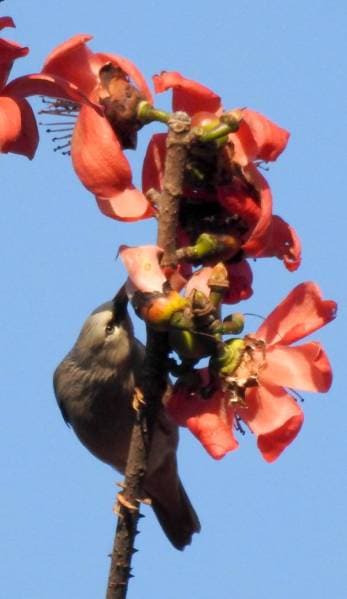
(138, 399)
(122, 502)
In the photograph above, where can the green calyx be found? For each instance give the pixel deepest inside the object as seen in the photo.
(147, 113)
(229, 357)
(229, 122)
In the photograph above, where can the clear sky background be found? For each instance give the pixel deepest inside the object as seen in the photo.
(277, 530)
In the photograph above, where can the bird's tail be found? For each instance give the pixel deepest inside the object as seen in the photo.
(175, 513)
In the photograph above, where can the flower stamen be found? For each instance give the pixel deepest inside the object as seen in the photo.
(61, 108)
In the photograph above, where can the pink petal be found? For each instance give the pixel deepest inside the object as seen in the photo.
(304, 367)
(258, 138)
(73, 61)
(18, 129)
(274, 417)
(302, 312)
(130, 69)
(199, 280)
(210, 421)
(283, 243)
(154, 163)
(259, 238)
(102, 167)
(142, 264)
(129, 205)
(9, 52)
(188, 95)
(46, 85)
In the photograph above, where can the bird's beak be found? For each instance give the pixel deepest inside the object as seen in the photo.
(120, 304)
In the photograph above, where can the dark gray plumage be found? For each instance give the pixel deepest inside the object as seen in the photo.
(94, 386)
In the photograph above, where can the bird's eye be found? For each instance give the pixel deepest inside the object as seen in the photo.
(110, 328)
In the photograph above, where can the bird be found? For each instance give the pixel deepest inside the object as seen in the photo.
(94, 386)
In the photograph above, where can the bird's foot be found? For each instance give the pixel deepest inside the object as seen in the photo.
(122, 502)
(138, 399)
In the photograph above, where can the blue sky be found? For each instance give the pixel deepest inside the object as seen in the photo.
(267, 530)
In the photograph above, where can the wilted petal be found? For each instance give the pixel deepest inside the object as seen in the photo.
(142, 265)
(129, 68)
(154, 163)
(210, 420)
(302, 312)
(305, 367)
(9, 52)
(72, 60)
(258, 138)
(187, 95)
(283, 243)
(274, 417)
(18, 129)
(102, 167)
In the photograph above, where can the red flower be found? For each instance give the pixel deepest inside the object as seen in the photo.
(268, 409)
(257, 139)
(71, 72)
(18, 129)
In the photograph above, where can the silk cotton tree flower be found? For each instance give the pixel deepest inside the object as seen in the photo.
(18, 129)
(91, 82)
(97, 146)
(239, 200)
(257, 388)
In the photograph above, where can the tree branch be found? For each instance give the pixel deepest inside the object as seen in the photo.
(154, 372)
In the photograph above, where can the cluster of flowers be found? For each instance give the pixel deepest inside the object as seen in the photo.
(225, 217)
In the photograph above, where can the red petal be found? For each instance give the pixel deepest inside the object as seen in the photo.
(304, 367)
(274, 417)
(130, 69)
(283, 243)
(259, 238)
(302, 312)
(9, 52)
(10, 122)
(240, 201)
(154, 163)
(46, 85)
(18, 129)
(208, 419)
(102, 167)
(142, 264)
(240, 277)
(72, 60)
(258, 138)
(6, 22)
(188, 95)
